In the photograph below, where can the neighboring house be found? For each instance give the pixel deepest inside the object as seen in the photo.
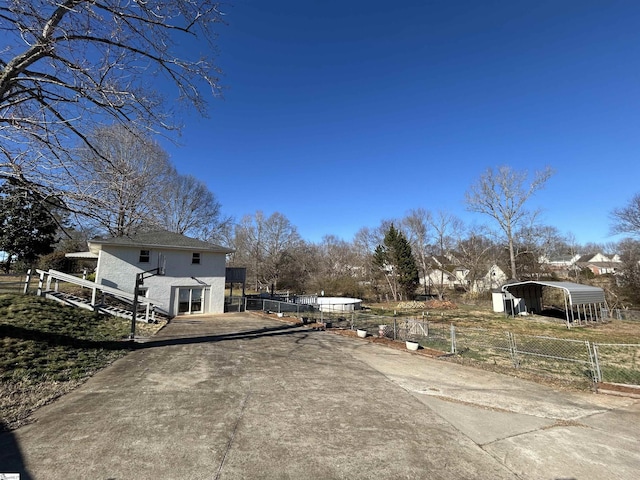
(599, 263)
(436, 277)
(494, 278)
(194, 271)
(561, 265)
(459, 277)
(560, 261)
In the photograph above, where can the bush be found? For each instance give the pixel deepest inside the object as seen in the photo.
(55, 261)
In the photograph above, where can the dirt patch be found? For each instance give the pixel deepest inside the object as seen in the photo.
(441, 305)
(619, 389)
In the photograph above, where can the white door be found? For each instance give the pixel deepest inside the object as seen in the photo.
(190, 300)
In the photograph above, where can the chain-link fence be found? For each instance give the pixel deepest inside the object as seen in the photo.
(12, 283)
(624, 314)
(557, 358)
(617, 363)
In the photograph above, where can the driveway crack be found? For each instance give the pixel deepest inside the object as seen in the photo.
(233, 434)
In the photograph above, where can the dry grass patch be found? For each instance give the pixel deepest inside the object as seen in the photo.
(465, 316)
(47, 349)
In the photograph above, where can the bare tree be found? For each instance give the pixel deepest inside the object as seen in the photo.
(627, 219)
(188, 207)
(477, 253)
(630, 278)
(338, 267)
(502, 195)
(536, 244)
(120, 179)
(365, 242)
(265, 244)
(445, 227)
(67, 66)
(417, 224)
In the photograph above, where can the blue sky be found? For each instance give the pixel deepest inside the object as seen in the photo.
(339, 114)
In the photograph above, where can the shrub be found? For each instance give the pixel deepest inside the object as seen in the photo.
(55, 261)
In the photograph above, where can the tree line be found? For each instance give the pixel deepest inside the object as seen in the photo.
(79, 108)
(138, 189)
(412, 255)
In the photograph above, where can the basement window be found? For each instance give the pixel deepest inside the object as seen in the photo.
(195, 258)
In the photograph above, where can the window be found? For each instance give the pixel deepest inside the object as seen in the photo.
(195, 258)
(145, 255)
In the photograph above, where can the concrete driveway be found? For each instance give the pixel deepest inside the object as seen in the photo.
(237, 396)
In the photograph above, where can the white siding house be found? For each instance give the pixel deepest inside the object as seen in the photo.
(194, 271)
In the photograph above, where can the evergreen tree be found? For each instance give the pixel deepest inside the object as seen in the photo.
(27, 229)
(395, 261)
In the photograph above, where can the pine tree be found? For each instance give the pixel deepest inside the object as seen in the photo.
(395, 261)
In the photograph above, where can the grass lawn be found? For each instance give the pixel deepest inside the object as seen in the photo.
(47, 349)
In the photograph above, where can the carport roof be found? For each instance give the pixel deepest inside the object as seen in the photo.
(578, 294)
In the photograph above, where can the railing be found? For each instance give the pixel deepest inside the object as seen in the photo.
(46, 278)
(234, 304)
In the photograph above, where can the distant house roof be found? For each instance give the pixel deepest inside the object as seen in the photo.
(158, 239)
(605, 264)
(563, 259)
(83, 255)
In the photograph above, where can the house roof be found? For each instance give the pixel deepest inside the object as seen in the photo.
(158, 239)
(605, 264)
(563, 258)
(83, 255)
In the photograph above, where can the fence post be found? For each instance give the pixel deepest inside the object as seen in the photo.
(26, 282)
(395, 329)
(513, 349)
(453, 339)
(596, 361)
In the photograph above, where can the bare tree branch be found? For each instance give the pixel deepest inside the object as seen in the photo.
(70, 66)
(502, 195)
(627, 219)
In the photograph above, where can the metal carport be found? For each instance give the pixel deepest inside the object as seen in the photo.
(577, 297)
